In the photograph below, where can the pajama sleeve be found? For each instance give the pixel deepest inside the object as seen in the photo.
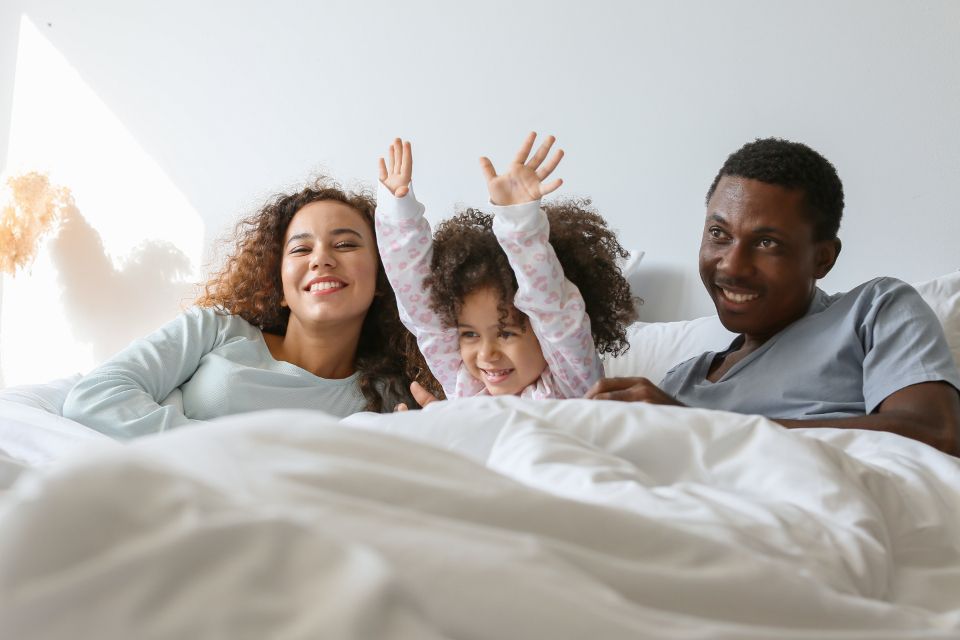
(406, 248)
(552, 303)
(122, 396)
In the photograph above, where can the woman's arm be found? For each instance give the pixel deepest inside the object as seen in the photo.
(121, 397)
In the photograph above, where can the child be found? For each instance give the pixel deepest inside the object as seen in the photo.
(488, 300)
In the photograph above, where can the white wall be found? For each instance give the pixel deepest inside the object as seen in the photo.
(223, 103)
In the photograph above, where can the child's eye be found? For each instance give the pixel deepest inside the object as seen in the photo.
(506, 335)
(467, 335)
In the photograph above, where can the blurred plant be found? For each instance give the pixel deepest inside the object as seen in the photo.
(33, 209)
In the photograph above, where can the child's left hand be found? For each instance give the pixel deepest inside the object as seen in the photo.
(523, 180)
(397, 179)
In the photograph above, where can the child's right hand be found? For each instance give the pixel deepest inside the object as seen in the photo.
(421, 395)
(397, 179)
(524, 178)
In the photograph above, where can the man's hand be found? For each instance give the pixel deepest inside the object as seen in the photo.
(630, 390)
(421, 395)
(398, 177)
(523, 180)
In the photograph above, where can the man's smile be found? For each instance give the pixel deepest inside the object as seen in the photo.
(738, 297)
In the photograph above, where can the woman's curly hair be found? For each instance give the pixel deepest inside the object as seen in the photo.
(249, 285)
(468, 257)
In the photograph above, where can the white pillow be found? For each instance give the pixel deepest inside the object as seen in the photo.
(656, 347)
(47, 397)
(943, 296)
(630, 269)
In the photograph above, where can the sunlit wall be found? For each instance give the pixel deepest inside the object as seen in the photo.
(122, 257)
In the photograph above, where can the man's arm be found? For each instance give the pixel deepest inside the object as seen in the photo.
(928, 412)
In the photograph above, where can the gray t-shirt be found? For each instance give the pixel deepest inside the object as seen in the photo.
(220, 363)
(843, 358)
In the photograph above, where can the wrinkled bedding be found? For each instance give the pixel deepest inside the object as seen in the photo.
(481, 518)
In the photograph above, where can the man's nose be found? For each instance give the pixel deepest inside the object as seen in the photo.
(735, 260)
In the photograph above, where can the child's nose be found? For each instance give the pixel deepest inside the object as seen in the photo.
(489, 350)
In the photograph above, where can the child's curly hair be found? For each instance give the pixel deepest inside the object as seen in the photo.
(468, 257)
(249, 285)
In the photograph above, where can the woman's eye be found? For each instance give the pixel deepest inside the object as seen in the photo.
(345, 245)
(300, 250)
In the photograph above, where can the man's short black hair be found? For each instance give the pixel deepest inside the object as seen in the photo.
(791, 165)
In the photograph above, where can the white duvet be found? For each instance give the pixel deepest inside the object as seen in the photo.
(483, 518)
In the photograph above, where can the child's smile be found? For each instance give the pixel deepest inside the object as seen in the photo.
(506, 358)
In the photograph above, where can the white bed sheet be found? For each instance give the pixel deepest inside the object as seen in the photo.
(487, 518)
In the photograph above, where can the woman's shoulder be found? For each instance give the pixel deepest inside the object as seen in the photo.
(217, 319)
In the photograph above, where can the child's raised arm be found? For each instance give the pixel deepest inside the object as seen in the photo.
(523, 180)
(406, 247)
(552, 303)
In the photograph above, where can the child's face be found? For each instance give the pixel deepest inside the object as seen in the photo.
(506, 359)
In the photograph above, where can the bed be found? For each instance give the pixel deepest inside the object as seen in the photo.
(481, 518)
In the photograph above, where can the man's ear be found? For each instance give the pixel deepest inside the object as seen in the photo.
(827, 253)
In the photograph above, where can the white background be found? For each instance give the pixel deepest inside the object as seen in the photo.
(168, 120)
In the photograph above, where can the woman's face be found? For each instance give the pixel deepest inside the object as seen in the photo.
(329, 266)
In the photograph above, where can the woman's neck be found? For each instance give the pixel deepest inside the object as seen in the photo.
(326, 352)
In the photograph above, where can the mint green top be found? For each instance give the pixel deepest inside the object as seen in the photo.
(219, 362)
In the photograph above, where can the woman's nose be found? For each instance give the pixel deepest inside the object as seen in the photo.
(323, 257)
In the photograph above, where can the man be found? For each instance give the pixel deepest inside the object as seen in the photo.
(872, 358)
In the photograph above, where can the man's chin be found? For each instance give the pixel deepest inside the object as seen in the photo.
(735, 322)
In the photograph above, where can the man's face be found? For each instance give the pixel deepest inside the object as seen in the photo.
(758, 257)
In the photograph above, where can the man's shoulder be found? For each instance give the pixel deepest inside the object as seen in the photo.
(875, 287)
(881, 290)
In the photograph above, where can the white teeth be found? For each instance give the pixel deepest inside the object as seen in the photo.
(496, 374)
(740, 297)
(323, 286)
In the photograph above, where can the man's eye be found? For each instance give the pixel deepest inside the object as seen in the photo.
(715, 232)
(767, 243)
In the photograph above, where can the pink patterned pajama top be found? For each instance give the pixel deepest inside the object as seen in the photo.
(552, 303)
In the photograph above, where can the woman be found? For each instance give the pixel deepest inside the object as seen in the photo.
(300, 316)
